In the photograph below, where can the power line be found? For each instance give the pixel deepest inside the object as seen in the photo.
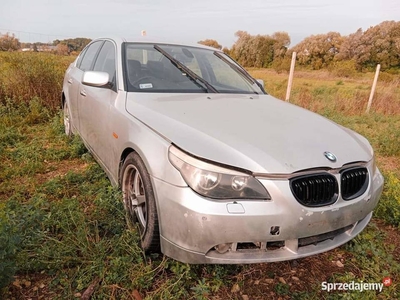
(13, 30)
(29, 33)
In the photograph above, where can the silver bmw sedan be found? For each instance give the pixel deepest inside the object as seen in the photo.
(212, 168)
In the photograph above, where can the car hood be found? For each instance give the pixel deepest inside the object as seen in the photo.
(254, 132)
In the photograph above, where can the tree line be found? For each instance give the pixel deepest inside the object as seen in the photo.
(8, 42)
(362, 50)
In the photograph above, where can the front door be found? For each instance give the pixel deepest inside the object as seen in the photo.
(96, 107)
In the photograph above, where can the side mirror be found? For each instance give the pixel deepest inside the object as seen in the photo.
(97, 79)
(261, 82)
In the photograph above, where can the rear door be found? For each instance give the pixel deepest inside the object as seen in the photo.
(72, 82)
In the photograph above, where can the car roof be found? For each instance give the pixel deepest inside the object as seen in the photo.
(146, 39)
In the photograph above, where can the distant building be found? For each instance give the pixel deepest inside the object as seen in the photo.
(41, 48)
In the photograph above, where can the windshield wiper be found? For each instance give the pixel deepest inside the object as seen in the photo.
(192, 75)
(240, 70)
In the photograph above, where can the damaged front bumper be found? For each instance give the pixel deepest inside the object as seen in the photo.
(197, 230)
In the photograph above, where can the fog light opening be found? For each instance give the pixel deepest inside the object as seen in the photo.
(271, 246)
(223, 248)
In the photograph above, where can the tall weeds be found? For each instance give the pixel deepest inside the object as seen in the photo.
(24, 76)
(335, 91)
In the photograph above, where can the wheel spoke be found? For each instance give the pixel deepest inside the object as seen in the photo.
(140, 217)
(136, 183)
(140, 199)
(133, 200)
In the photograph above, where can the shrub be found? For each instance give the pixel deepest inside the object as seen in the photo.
(387, 77)
(345, 69)
(281, 65)
(8, 250)
(389, 205)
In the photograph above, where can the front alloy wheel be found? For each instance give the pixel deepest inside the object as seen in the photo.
(67, 120)
(135, 197)
(139, 202)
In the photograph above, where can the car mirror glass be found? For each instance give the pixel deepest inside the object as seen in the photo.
(96, 79)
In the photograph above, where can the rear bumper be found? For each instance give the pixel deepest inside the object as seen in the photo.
(257, 231)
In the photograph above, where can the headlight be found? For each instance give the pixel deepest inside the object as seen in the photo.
(215, 181)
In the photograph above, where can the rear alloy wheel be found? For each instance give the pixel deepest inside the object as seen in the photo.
(139, 202)
(67, 120)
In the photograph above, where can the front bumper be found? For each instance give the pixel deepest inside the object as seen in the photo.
(191, 226)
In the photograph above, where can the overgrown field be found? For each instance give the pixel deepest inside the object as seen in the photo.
(27, 75)
(62, 226)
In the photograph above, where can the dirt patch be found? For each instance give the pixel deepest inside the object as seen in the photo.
(282, 280)
(392, 237)
(35, 287)
(389, 163)
(60, 169)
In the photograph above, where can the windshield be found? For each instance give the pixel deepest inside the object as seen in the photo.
(163, 68)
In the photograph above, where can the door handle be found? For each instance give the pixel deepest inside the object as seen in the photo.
(70, 81)
(83, 93)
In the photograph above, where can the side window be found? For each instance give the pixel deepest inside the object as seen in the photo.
(105, 61)
(89, 56)
(81, 55)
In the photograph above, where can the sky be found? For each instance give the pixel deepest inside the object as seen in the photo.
(189, 21)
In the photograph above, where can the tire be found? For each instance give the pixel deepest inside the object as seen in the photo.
(139, 202)
(67, 120)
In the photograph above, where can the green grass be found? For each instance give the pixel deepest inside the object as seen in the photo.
(69, 224)
(62, 225)
(62, 221)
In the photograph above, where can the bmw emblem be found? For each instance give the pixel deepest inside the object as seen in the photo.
(330, 156)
